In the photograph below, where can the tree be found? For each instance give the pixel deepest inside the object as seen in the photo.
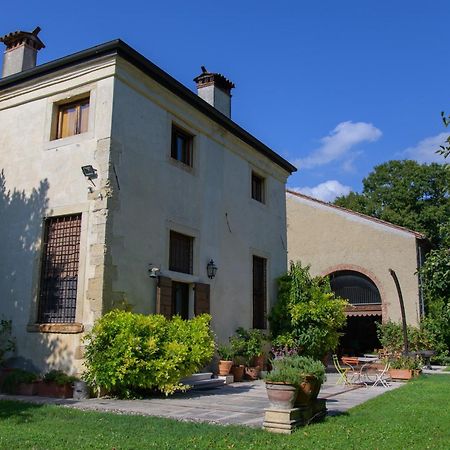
(445, 149)
(406, 193)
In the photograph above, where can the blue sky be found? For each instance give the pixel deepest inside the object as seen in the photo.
(336, 87)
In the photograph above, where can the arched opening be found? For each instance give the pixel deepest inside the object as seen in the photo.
(359, 335)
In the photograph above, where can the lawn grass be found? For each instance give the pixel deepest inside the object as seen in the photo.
(416, 416)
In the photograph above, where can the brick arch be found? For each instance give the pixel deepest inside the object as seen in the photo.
(368, 274)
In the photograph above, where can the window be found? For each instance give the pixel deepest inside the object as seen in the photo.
(59, 270)
(258, 187)
(259, 292)
(72, 118)
(355, 287)
(181, 146)
(180, 299)
(181, 252)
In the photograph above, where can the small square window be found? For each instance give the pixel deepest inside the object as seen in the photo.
(258, 188)
(72, 118)
(181, 149)
(181, 252)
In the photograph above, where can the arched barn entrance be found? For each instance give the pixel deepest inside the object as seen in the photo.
(363, 312)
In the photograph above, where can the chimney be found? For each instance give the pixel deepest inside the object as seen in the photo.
(21, 51)
(215, 89)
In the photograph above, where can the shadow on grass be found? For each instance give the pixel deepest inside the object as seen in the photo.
(21, 412)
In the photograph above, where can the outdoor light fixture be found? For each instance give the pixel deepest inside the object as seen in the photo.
(211, 269)
(89, 172)
(153, 271)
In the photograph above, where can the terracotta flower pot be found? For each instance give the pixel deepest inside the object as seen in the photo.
(252, 373)
(281, 395)
(238, 373)
(308, 391)
(27, 389)
(52, 389)
(401, 374)
(258, 361)
(225, 367)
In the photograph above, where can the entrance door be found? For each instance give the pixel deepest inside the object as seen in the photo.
(180, 299)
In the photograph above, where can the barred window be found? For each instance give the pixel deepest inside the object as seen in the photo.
(59, 270)
(181, 252)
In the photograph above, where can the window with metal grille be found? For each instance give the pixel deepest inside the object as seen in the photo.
(356, 287)
(59, 270)
(181, 146)
(258, 188)
(259, 292)
(181, 252)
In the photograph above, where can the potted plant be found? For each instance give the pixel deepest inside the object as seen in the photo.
(249, 344)
(405, 367)
(237, 344)
(20, 382)
(294, 381)
(56, 384)
(226, 359)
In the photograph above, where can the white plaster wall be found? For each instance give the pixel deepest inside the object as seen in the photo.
(43, 178)
(330, 239)
(212, 202)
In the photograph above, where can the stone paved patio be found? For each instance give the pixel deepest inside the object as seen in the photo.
(238, 403)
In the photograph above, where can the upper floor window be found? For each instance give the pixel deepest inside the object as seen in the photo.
(72, 118)
(181, 149)
(181, 252)
(258, 184)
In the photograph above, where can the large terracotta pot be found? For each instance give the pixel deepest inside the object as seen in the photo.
(225, 367)
(27, 389)
(401, 374)
(252, 373)
(281, 395)
(238, 372)
(258, 361)
(52, 389)
(308, 391)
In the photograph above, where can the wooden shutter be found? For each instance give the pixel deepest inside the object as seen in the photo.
(201, 298)
(164, 304)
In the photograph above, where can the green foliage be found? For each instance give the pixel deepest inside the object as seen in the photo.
(406, 362)
(427, 337)
(247, 344)
(58, 377)
(226, 353)
(129, 353)
(7, 343)
(307, 316)
(413, 195)
(445, 149)
(294, 369)
(16, 377)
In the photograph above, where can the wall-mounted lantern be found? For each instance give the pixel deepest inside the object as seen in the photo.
(211, 269)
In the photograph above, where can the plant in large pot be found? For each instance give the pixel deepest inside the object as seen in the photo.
(252, 342)
(56, 383)
(309, 376)
(237, 344)
(226, 359)
(405, 367)
(20, 382)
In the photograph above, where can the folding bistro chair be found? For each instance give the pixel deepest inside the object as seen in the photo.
(382, 376)
(343, 379)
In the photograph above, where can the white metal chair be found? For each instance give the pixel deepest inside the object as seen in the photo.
(382, 376)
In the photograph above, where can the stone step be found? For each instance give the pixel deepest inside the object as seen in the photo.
(197, 377)
(207, 384)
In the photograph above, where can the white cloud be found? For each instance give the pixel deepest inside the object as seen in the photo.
(425, 150)
(339, 143)
(326, 191)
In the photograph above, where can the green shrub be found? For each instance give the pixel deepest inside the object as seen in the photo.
(16, 377)
(7, 343)
(58, 377)
(247, 344)
(406, 362)
(128, 354)
(307, 316)
(294, 369)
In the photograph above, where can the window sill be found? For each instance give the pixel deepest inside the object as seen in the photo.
(62, 328)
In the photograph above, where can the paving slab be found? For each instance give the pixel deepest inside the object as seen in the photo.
(237, 403)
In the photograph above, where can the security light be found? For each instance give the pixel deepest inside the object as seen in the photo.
(89, 172)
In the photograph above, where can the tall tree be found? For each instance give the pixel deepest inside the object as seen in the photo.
(413, 195)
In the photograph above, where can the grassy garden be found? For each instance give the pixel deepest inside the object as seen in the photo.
(414, 416)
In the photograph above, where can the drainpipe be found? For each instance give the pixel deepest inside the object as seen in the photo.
(402, 310)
